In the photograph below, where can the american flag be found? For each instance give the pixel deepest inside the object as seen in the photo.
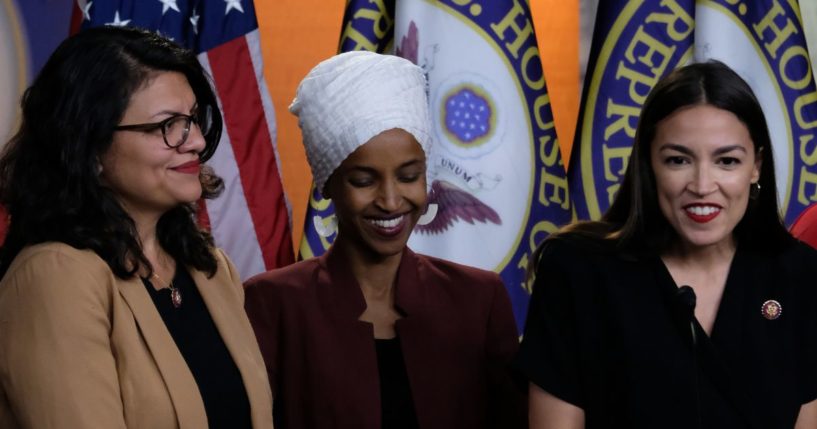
(250, 220)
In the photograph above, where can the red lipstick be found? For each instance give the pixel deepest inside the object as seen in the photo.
(191, 167)
(702, 213)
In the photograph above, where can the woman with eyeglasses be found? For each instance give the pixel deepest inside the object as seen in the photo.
(116, 310)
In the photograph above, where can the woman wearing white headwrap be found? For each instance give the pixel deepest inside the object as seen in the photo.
(372, 335)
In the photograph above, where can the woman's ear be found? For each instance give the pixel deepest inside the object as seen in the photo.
(758, 165)
(98, 168)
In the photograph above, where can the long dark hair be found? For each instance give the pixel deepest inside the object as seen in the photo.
(634, 220)
(49, 180)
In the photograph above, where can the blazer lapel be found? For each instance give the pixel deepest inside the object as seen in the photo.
(342, 299)
(413, 330)
(726, 333)
(235, 330)
(708, 358)
(182, 387)
(348, 302)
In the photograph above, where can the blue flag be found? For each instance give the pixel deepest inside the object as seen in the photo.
(498, 183)
(635, 43)
(24, 48)
(763, 41)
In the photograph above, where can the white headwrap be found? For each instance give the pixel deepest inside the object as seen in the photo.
(346, 100)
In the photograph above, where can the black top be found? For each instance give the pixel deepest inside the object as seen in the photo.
(396, 405)
(608, 333)
(196, 336)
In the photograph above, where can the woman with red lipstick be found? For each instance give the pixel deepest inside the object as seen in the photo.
(688, 305)
(372, 335)
(116, 310)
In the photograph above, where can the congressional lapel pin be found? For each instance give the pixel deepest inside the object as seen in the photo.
(771, 309)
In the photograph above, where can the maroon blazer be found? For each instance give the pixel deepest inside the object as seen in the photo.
(457, 336)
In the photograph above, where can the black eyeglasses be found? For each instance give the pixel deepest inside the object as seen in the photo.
(176, 128)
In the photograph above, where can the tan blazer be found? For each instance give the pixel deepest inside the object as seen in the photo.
(82, 348)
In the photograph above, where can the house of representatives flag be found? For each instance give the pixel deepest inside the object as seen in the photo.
(763, 42)
(250, 220)
(497, 180)
(635, 43)
(24, 48)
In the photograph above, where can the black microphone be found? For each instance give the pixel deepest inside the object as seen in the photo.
(685, 300)
(686, 297)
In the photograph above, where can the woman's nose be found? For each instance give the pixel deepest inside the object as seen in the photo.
(195, 140)
(703, 182)
(388, 197)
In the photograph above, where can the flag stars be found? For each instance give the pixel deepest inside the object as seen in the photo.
(467, 115)
(194, 19)
(117, 22)
(169, 4)
(233, 4)
(85, 8)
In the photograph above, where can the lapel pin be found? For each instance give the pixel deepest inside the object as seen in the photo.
(771, 309)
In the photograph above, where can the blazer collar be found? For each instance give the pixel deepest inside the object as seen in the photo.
(182, 387)
(412, 286)
(236, 333)
(709, 349)
(410, 290)
(346, 290)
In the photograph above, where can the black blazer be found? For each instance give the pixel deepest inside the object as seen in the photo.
(607, 333)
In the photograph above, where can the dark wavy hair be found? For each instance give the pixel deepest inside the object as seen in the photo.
(49, 180)
(635, 221)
